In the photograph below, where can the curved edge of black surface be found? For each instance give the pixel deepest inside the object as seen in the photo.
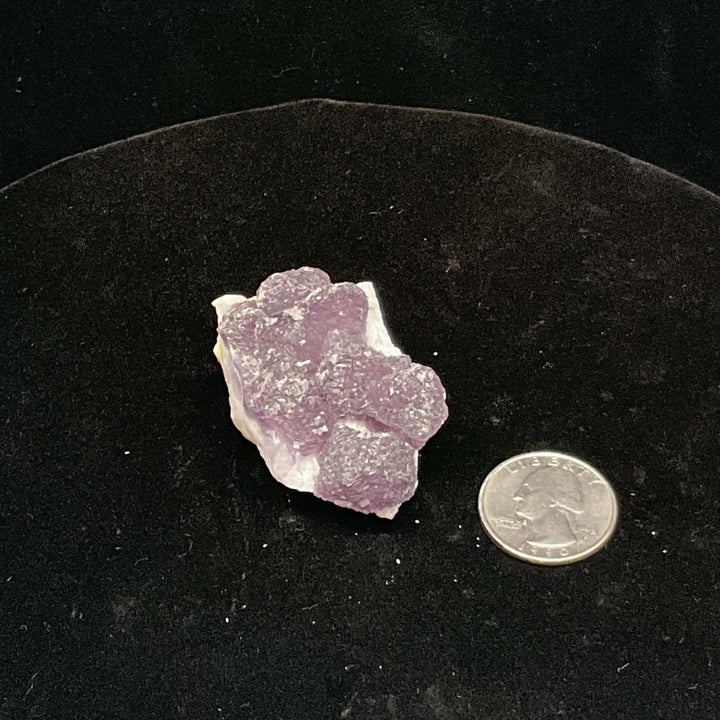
(329, 103)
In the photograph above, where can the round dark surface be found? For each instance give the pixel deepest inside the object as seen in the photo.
(567, 295)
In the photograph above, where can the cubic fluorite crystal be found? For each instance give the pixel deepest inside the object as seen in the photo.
(317, 384)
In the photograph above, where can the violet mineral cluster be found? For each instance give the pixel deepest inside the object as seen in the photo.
(317, 384)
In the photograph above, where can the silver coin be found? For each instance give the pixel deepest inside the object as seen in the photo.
(548, 508)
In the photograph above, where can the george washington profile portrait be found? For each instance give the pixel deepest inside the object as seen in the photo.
(549, 503)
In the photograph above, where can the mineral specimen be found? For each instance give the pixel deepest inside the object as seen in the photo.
(317, 384)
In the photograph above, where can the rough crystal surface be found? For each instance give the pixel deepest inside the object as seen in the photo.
(366, 470)
(317, 383)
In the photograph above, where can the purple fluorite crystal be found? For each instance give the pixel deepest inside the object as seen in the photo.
(317, 384)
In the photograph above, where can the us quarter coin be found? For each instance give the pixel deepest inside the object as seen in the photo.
(548, 508)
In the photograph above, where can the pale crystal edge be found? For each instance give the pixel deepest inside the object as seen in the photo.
(376, 332)
(296, 473)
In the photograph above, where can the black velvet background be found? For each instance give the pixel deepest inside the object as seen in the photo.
(637, 75)
(153, 568)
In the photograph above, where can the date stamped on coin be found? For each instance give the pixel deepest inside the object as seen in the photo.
(548, 508)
